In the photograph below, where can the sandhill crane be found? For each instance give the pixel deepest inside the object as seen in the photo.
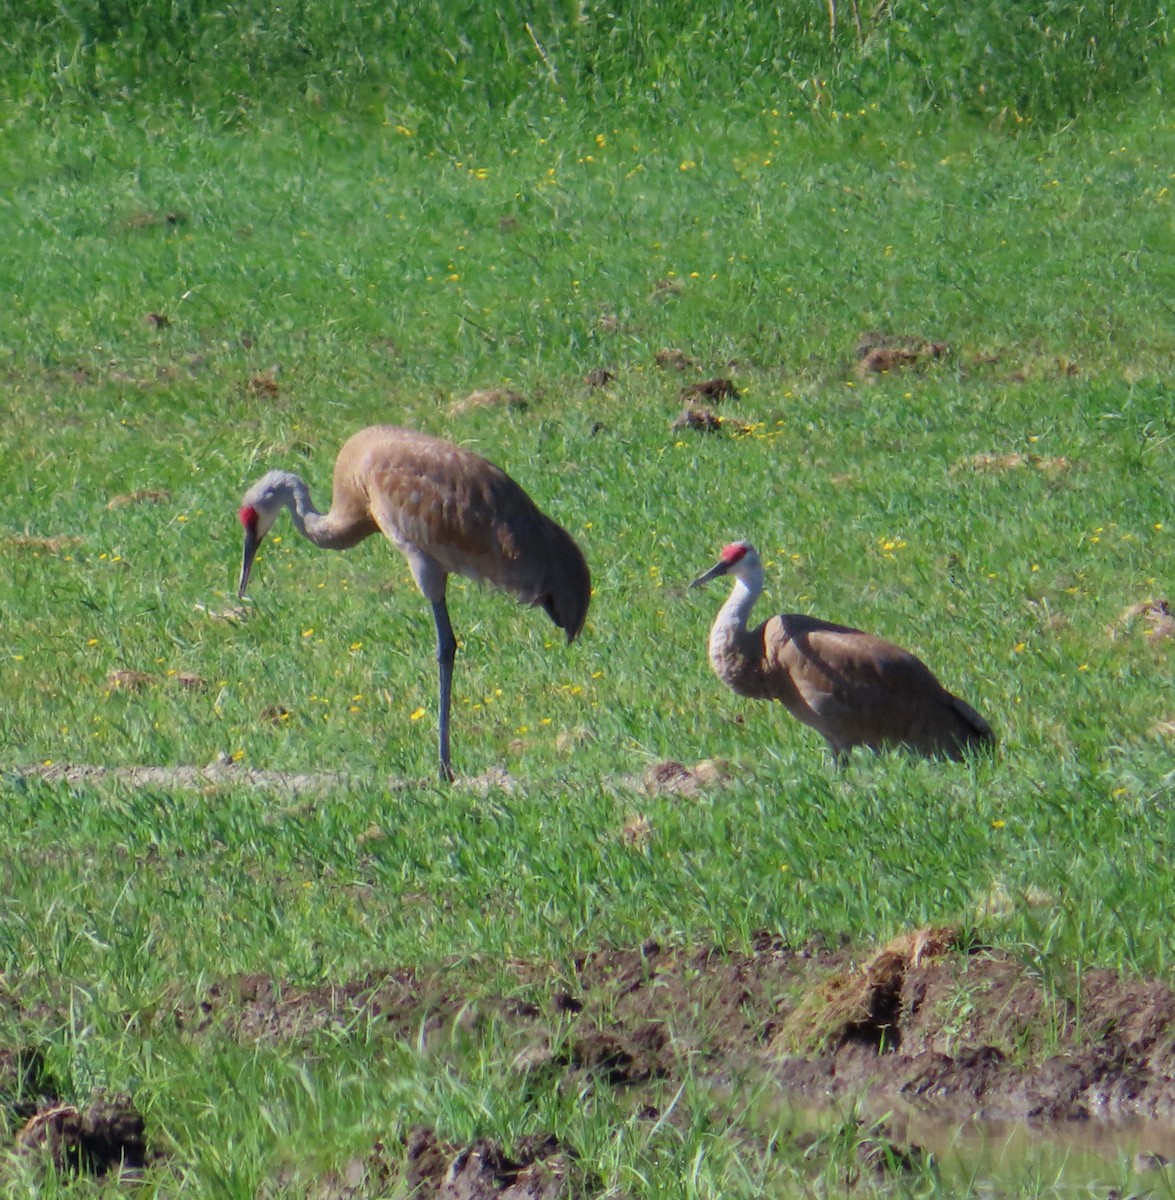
(854, 688)
(449, 512)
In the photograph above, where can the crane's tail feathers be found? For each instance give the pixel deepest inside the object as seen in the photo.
(978, 729)
(567, 585)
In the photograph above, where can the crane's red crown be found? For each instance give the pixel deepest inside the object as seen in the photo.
(733, 552)
(248, 515)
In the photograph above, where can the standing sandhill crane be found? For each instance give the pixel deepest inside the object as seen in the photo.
(449, 512)
(854, 688)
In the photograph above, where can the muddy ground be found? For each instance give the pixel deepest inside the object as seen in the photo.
(924, 1021)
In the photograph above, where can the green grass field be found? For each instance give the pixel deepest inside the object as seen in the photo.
(214, 266)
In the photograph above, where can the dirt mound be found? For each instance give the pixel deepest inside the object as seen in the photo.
(538, 1169)
(107, 1135)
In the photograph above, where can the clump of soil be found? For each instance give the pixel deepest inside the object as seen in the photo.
(878, 353)
(715, 390)
(674, 359)
(599, 377)
(540, 1168)
(264, 383)
(1152, 616)
(697, 418)
(106, 1135)
(128, 680)
(675, 778)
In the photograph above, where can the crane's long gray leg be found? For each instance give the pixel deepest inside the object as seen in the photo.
(446, 655)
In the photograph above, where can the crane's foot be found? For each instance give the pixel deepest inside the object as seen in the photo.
(447, 775)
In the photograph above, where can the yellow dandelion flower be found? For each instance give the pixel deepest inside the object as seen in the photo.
(415, 716)
(998, 823)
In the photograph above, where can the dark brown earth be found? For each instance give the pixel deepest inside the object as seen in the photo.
(924, 1022)
(922, 1019)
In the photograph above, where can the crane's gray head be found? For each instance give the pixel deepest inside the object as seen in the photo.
(740, 559)
(259, 508)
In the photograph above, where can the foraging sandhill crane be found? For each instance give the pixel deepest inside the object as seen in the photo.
(854, 688)
(449, 512)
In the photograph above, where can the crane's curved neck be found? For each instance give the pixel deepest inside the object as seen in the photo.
(320, 528)
(729, 630)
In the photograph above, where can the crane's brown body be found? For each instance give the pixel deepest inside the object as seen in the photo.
(449, 512)
(854, 688)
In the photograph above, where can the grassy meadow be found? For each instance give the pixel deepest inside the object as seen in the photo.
(226, 251)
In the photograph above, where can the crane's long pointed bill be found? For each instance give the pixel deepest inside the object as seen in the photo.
(247, 560)
(719, 568)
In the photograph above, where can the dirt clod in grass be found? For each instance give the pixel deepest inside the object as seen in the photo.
(140, 496)
(499, 397)
(674, 778)
(878, 353)
(106, 1135)
(700, 419)
(373, 833)
(715, 390)
(673, 359)
(1153, 617)
(264, 383)
(599, 377)
(666, 289)
(636, 831)
(157, 320)
(539, 1168)
(129, 681)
